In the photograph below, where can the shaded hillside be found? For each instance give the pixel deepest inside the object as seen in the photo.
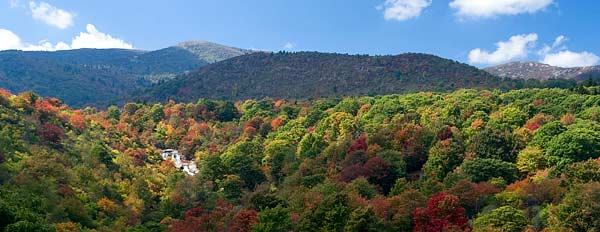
(92, 76)
(312, 75)
(75, 83)
(539, 71)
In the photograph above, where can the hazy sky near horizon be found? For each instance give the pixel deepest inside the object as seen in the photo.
(479, 32)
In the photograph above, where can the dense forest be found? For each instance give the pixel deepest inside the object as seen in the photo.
(469, 160)
(199, 69)
(84, 77)
(304, 75)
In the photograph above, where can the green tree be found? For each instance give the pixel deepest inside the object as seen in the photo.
(310, 146)
(113, 113)
(363, 220)
(573, 145)
(493, 143)
(278, 155)
(273, 220)
(337, 125)
(479, 170)
(348, 105)
(330, 215)
(582, 172)
(578, 211)
(227, 112)
(231, 185)
(157, 113)
(394, 158)
(512, 116)
(531, 159)
(10, 140)
(27, 226)
(444, 156)
(101, 152)
(241, 163)
(363, 187)
(505, 218)
(545, 133)
(211, 168)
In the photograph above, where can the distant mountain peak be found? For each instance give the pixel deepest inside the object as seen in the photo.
(541, 71)
(528, 63)
(189, 43)
(211, 52)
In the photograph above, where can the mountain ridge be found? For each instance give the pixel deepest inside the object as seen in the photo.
(316, 74)
(88, 76)
(540, 71)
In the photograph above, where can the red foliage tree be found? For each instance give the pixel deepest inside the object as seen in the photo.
(380, 172)
(243, 221)
(48, 105)
(77, 120)
(445, 133)
(352, 172)
(382, 207)
(51, 133)
(356, 157)
(196, 220)
(443, 213)
(359, 144)
(276, 123)
(193, 212)
(472, 196)
(413, 141)
(139, 157)
(5, 93)
(536, 121)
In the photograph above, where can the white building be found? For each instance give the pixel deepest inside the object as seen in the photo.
(188, 166)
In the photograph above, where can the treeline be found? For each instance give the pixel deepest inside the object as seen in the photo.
(470, 160)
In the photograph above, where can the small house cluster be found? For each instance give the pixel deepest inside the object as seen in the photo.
(188, 166)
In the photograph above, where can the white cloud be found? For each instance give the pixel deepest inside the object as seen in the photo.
(559, 41)
(556, 45)
(289, 46)
(403, 9)
(569, 59)
(516, 47)
(96, 39)
(559, 55)
(51, 15)
(92, 38)
(491, 8)
(9, 40)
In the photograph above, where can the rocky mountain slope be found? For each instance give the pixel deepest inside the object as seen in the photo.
(211, 52)
(539, 71)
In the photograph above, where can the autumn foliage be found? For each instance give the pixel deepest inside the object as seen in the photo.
(443, 213)
(421, 162)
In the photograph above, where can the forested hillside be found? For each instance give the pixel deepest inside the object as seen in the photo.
(84, 77)
(523, 160)
(305, 75)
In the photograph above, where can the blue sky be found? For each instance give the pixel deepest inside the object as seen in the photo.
(558, 32)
